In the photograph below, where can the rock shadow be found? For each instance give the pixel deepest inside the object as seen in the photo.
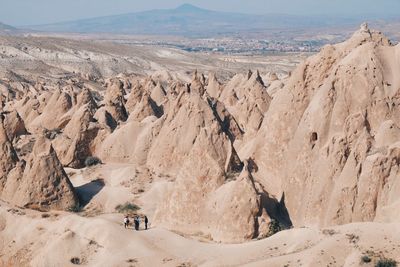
(87, 191)
(276, 209)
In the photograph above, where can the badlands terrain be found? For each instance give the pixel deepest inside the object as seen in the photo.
(292, 163)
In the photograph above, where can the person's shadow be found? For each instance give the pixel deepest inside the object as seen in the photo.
(87, 191)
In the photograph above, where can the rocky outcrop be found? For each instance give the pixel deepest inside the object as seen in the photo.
(322, 146)
(197, 85)
(8, 157)
(58, 105)
(183, 122)
(251, 101)
(187, 204)
(140, 136)
(321, 142)
(14, 125)
(76, 142)
(44, 183)
(200, 153)
(146, 107)
(214, 87)
(158, 94)
(115, 102)
(134, 97)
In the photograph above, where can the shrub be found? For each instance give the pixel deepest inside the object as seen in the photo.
(274, 227)
(365, 259)
(329, 232)
(91, 161)
(386, 263)
(127, 207)
(76, 208)
(76, 261)
(52, 134)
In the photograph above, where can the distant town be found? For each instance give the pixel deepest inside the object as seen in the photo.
(234, 45)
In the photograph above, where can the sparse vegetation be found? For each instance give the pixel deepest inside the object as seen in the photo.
(365, 259)
(386, 263)
(76, 208)
(274, 227)
(127, 207)
(38, 207)
(329, 232)
(52, 134)
(75, 261)
(92, 161)
(353, 238)
(231, 176)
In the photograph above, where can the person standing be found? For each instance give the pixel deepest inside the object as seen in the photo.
(126, 221)
(137, 222)
(146, 221)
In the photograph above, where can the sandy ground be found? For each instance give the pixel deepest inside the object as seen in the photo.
(47, 57)
(97, 237)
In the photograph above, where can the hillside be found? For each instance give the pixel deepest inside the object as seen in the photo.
(6, 29)
(254, 170)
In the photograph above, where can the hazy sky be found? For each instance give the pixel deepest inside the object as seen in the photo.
(28, 12)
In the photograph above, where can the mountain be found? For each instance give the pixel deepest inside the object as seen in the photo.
(6, 29)
(187, 20)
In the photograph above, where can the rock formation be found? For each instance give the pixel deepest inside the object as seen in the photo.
(320, 147)
(214, 87)
(321, 141)
(14, 125)
(115, 101)
(59, 104)
(76, 142)
(8, 157)
(44, 183)
(39, 183)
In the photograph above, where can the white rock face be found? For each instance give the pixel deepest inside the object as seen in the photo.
(329, 139)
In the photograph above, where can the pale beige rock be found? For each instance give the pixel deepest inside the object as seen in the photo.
(184, 120)
(14, 125)
(134, 97)
(105, 119)
(325, 137)
(44, 184)
(247, 100)
(131, 142)
(195, 203)
(158, 94)
(58, 105)
(322, 144)
(115, 102)
(185, 205)
(84, 97)
(28, 108)
(197, 85)
(8, 157)
(146, 107)
(76, 142)
(214, 87)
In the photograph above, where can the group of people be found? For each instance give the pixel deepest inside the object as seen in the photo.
(136, 221)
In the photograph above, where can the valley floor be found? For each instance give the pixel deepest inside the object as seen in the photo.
(95, 236)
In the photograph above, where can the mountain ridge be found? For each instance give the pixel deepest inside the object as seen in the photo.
(186, 20)
(7, 29)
